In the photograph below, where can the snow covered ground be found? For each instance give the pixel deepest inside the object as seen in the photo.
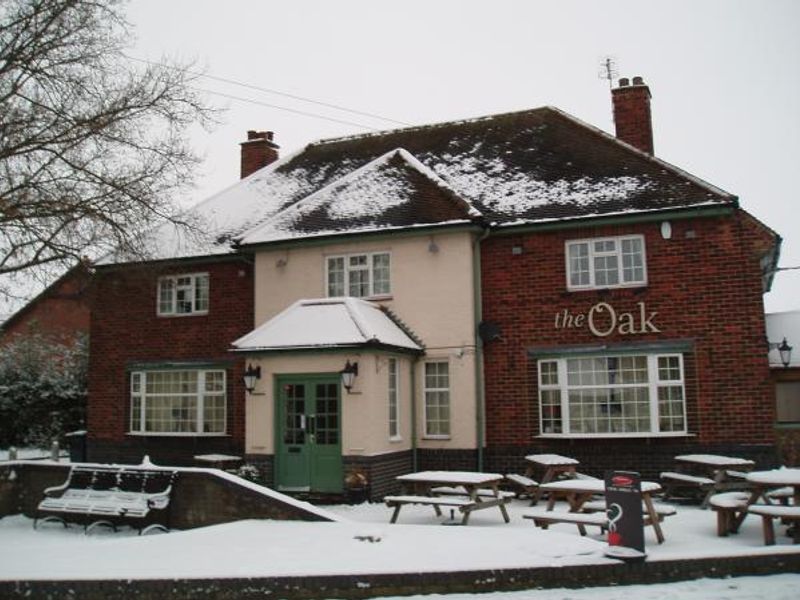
(364, 542)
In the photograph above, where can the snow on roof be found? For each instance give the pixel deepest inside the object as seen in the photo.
(327, 323)
(526, 167)
(784, 325)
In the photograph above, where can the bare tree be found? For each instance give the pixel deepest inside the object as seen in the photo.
(93, 146)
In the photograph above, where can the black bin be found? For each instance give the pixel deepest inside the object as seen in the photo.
(77, 446)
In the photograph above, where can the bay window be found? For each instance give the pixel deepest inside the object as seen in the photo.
(612, 395)
(178, 402)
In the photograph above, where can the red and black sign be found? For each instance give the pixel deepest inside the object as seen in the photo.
(624, 509)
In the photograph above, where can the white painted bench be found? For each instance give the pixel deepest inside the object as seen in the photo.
(543, 518)
(108, 496)
(769, 512)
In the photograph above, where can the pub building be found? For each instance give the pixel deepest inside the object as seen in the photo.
(450, 296)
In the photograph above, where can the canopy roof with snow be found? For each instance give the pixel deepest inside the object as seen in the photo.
(511, 169)
(329, 323)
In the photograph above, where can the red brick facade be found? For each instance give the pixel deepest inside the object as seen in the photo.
(705, 286)
(61, 312)
(127, 332)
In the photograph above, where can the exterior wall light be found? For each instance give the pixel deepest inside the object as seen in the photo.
(785, 351)
(250, 376)
(349, 374)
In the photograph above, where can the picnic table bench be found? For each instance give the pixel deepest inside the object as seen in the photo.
(712, 474)
(110, 496)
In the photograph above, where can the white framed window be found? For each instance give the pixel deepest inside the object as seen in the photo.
(606, 262)
(183, 294)
(394, 401)
(359, 275)
(191, 402)
(605, 396)
(437, 399)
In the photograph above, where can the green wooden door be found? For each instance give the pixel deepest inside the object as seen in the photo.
(309, 449)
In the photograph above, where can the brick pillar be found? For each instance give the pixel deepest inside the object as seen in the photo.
(632, 113)
(258, 151)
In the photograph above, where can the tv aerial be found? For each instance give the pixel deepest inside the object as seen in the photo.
(608, 70)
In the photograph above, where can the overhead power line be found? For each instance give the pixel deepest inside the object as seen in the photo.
(271, 91)
(287, 109)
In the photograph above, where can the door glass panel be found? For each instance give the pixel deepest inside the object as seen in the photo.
(327, 416)
(294, 432)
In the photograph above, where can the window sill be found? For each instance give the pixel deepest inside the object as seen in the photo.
(174, 434)
(395, 439)
(182, 315)
(606, 288)
(587, 436)
(440, 438)
(788, 425)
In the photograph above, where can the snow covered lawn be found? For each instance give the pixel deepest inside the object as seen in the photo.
(362, 542)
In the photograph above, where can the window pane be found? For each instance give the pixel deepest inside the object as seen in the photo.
(380, 274)
(359, 283)
(393, 416)
(549, 372)
(579, 264)
(606, 271)
(669, 368)
(166, 296)
(632, 260)
(788, 401)
(437, 399)
(201, 293)
(336, 276)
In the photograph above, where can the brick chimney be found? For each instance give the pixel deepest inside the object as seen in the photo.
(632, 113)
(258, 151)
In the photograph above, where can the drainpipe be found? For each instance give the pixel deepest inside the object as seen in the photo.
(478, 310)
(414, 414)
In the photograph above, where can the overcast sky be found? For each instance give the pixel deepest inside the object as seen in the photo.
(724, 76)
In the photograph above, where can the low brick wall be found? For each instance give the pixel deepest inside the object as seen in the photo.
(200, 497)
(370, 586)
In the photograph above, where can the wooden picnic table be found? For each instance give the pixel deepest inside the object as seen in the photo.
(481, 491)
(765, 481)
(555, 467)
(579, 491)
(713, 473)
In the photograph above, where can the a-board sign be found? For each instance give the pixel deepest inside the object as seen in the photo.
(624, 509)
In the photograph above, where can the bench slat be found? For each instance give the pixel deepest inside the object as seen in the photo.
(685, 478)
(556, 516)
(431, 500)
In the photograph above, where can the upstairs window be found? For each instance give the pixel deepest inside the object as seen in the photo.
(183, 294)
(359, 275)
(606, 262)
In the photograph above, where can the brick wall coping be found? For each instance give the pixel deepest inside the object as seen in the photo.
(219, 474)
(367, 586)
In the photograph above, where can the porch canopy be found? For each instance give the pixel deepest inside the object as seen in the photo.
(329, 323)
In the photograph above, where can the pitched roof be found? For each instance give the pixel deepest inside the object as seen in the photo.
(328, 323)
(515, 168)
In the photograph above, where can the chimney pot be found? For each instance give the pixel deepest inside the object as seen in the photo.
(258, 151)
(632, 114)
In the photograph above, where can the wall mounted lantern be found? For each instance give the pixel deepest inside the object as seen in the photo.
(349, 374)
(784, 349)
(250, 376)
